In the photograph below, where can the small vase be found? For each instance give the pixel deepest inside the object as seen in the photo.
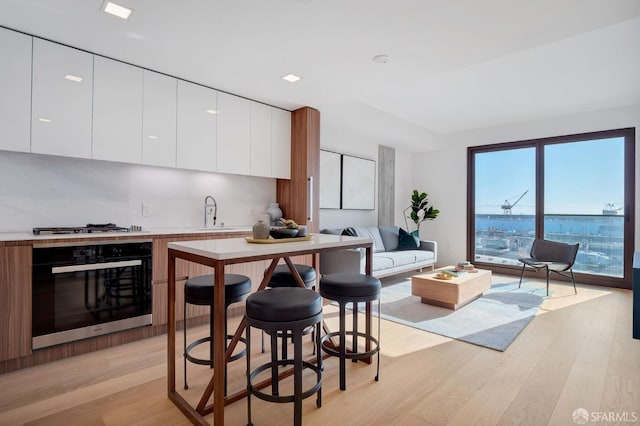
(302, 230)
(275, 213)
(260, 231)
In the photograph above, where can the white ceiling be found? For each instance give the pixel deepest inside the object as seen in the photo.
(454, 65)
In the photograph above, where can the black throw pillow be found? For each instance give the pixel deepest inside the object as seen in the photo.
(350, 232)
(406, 241)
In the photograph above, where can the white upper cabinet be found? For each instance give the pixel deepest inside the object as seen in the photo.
(234, 134)
(260, 139)
(281, 143)
(15, 91)
(197, 127)
(117, 111)
(159, 120)
(61, 100)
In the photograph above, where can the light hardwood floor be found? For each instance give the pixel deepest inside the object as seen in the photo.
(577, 353)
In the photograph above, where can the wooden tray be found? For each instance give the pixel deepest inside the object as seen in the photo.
(278, 240)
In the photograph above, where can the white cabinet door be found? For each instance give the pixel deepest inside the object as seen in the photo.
(234, 134)
(159, 120)
(260, 139)
(117, 111)
(15, 91)
(61, 100)
(281, 143)
(197, 123)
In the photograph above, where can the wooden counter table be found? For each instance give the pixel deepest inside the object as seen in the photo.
(217, 254)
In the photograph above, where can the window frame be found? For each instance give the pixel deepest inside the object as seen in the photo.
(629, 194)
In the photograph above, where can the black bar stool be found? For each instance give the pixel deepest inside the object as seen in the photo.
(199, 291)
(282, 277)
(284, 310)
(344, 289)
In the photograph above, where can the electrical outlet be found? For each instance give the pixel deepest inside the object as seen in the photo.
(146, 209)
(252, 211)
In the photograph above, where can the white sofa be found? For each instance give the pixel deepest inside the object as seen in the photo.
(387, 259)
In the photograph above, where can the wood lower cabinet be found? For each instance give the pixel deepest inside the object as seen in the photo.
(186, 270)
(159, 309)
(15, 302)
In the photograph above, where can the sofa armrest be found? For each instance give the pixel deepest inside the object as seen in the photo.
(430, 246)
(350, 261)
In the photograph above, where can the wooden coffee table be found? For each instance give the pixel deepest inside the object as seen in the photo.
(452, 293)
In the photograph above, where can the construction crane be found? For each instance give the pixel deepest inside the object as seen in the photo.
(610, 209)
(507, 206)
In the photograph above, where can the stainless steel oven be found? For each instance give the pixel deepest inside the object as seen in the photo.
(87, 290)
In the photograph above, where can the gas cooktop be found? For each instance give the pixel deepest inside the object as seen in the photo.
(89, 229)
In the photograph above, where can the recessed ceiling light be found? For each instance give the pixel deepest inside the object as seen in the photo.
(44, 120)
(212, 111)
(116, 10)
(291, 78)
(381, 59)
(72, 77)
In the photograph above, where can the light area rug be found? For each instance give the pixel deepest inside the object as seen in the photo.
(494, 320)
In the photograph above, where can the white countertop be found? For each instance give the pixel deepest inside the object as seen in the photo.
(28, 236)
(237, 248)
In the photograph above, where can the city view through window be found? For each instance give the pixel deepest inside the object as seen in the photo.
(583, 203)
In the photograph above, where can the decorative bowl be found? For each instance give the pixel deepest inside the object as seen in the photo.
(278, 233)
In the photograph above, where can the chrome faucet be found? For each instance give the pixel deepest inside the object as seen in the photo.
(210, 211)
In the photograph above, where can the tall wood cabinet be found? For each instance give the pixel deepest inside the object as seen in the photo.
(15, 301)
(299, 196)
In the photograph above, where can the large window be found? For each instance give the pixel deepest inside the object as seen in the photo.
(573, 189)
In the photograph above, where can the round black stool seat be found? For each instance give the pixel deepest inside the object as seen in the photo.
(345, 289)
(284, 310)
(284, 304)
(282, 276)
(199, 290)
(357, 286)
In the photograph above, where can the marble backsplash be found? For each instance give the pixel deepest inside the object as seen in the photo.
(41, 190)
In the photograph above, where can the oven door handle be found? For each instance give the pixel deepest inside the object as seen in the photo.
(94, 266)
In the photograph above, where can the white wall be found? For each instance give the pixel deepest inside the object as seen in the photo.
(443, 173)
(40, 190)
(338, 139)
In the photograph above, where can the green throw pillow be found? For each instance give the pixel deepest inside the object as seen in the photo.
(406, 241)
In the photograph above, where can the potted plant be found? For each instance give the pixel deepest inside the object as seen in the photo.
(420, 210)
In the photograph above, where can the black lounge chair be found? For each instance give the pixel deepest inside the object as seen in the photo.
(551, 256)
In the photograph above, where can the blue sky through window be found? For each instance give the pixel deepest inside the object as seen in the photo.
(580, 178)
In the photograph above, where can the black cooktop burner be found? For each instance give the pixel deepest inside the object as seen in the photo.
(89, 229)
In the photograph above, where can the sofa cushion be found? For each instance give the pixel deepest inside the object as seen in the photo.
(389, 236)
(382, 261)
(406, 241)
(423, 255)
(374, 233)
(402, 258)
